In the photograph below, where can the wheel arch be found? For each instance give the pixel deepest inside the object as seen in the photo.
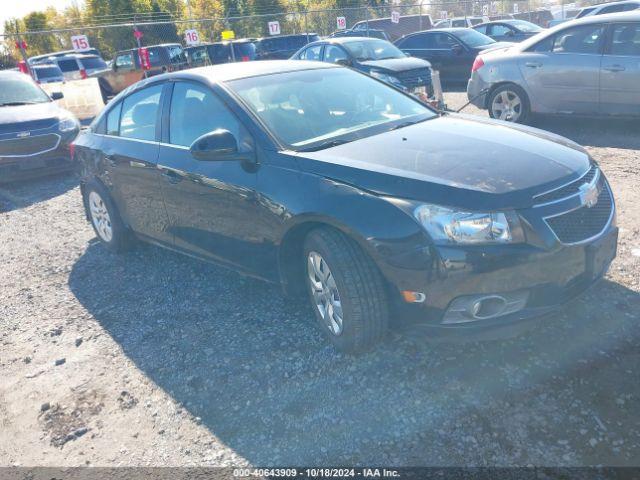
(502, 83)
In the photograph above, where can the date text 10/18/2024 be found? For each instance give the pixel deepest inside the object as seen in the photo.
(316, 472)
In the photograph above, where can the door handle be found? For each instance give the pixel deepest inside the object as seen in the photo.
(614, 68)
(533, 64)
(171, 176)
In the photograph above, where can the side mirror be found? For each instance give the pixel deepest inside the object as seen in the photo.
(457, 49)
(217, 145)
(57, 96)
(345, 62)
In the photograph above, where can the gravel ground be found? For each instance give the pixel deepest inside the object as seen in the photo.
(151, 358)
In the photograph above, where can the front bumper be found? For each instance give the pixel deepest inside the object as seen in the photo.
(15, 168)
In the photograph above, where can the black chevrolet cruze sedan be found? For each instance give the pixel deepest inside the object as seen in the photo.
(35, 133)
(327, 180)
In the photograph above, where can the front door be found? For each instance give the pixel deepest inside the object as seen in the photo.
(620, 73)
(211, 204)
(130, 148)
(562, 72)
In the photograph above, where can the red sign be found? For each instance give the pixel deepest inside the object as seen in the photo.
(145, 60)
(22, 66)
(21, 45)
(137, 34)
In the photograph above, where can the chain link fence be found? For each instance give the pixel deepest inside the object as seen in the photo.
(395, 19)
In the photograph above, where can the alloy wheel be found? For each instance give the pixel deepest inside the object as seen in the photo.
(100, 216)
(325, 292)
(507, 105)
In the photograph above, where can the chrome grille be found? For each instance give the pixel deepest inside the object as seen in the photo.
(566, 191)
(27, 146)
(418, 77)
(583, 223)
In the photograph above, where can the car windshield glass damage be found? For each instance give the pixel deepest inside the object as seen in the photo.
(364, 50)
(314, 109)
(17, 91)
(473, 38)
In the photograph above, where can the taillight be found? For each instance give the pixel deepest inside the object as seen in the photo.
(245, 58)
(72, 150)
(478, 63)
(83, 74)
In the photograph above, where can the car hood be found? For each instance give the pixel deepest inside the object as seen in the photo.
(495, 46)
(495, 165)
(29, 117)
(397, 64)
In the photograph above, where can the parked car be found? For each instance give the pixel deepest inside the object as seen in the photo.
(281, 47)
(374, 57)
(47, 73)
(337, 186)
(407, 24)
(508, 30)
(611, 7)
(458, 22)
(243, 50)
(590, 66)
(451, 51)
(35, 133)
(76, 66)
(540, 17)
(381, 34)
(45, 58)
(126, 68)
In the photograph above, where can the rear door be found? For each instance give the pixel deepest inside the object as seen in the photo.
(562, 72)
(130, 149)
(211, 204)
(620, 73)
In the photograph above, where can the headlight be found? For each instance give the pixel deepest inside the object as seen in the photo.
(451, 226)
(67, 124)
(385, 77)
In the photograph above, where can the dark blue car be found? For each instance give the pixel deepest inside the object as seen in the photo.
(375, 57)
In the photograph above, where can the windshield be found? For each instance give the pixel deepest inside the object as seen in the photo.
(585, 11)
(20, 91)
(473, 38)
(364, 50)
(93, 63)
(311, 109)
(47, 72)
(525, 26)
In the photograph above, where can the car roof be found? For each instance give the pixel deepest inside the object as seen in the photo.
(342, 40)
(287, 36)
(43, 65)
(622, 2)
(633, 16)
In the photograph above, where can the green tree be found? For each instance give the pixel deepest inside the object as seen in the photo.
(39, 43)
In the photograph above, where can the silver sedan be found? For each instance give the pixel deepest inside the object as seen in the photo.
(589, 66)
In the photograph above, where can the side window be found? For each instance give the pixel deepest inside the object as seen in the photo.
(196, 110)
(459, 23)
(311, 53)
(443, 41)
(500, 30)
(124, 60)
(113, 120)
(140, 114)
(625, 7)
(482, 29)
(414, 41)
(333, 54)
(626, 40)
(584, 39)
(543, 46)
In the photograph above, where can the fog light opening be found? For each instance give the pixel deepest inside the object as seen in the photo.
(413, 297)
(488, 307)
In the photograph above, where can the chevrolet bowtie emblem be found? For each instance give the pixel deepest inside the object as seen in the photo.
(589, 194)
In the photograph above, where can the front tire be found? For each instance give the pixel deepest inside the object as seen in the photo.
(105, 219)
(346, 290)
(509, 103)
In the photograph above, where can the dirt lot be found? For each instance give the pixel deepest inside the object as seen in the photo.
(151, 358)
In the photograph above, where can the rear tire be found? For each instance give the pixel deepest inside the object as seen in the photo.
(105, 219)
(346, 289)
(509, 103)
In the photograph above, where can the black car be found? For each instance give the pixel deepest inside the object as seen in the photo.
(378, 58)
(509, 30)
(451, 51)
(331, 183)
(381, 34)
(221, 52)
(35, 133)
(282, 47)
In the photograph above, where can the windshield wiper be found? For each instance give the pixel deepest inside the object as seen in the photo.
(408, 123)
(326, 144)
(17, 104)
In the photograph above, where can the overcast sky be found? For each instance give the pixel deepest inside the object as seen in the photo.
(19, 8)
